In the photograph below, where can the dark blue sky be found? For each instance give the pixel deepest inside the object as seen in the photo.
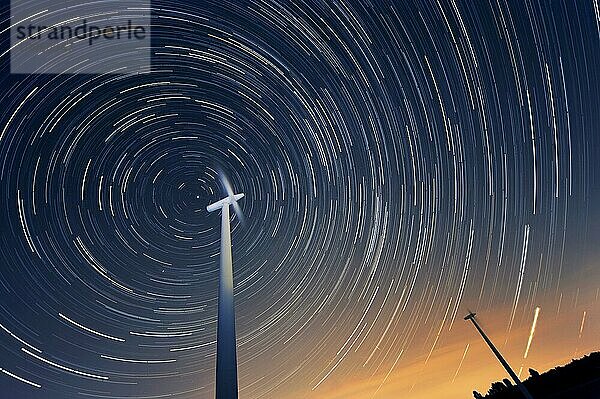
(397, 159)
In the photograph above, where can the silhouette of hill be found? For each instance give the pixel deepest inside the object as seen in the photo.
(579, 379)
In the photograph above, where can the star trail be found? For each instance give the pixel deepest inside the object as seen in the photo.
(402, 162)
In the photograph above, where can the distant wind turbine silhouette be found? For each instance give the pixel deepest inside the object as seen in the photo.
(503, 362)
(227, 383)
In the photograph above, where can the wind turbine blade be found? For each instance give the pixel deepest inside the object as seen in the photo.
(227, 185)
(238, 211)
(232, 196)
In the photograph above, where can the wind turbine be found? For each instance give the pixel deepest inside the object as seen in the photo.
(503, 362)
(227, 383)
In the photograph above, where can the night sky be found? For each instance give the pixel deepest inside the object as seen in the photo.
(403, 162)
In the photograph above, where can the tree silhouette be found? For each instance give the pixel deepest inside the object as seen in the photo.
(579, 379)
(533, 373)
(497, 387)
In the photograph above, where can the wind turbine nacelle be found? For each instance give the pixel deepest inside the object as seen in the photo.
(225, 201)
(470, 316)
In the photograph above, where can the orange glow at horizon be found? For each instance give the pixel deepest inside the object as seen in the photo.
(454, 371)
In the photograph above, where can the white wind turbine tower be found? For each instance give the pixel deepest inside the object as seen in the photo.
(227, 383)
